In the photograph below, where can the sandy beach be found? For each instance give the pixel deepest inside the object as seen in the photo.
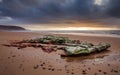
(33, 61)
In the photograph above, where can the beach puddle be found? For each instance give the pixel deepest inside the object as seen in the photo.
(91, 57)
(71, 59)
(113, 57)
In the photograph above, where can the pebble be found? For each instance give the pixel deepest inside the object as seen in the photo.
(14, 56)
(8, 57)
(35, 67)
(100, 70)
(95, 74)
(41, 65)
(53, 69)
(89, 68)
(104, 72)
(72, 73)
(43, 68)
(84, 72)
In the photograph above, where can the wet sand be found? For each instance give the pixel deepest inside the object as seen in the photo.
(33, 61)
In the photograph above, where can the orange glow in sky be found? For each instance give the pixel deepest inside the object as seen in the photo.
(68, 28)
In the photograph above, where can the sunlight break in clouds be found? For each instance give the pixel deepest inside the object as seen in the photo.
(37, 28)
(1, 0)
(98, 2)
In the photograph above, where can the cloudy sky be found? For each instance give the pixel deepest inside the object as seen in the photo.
(61, 13)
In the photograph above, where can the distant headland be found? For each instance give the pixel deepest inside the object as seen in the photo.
(10, 27)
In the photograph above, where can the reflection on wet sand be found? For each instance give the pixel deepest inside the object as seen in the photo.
(92, 56)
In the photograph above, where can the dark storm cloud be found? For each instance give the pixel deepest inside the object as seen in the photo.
(43, 8)
(114, 8)
(56, 11)
(16, 8)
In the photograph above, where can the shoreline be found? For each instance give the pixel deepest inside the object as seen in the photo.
(90, 34)
(67, 33)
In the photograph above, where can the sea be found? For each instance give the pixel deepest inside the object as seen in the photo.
(113, 33)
